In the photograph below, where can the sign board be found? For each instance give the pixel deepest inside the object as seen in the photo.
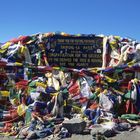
(75, 51)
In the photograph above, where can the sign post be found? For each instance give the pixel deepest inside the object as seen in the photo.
(75, 51)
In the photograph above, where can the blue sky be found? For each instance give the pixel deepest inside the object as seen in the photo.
(26, 17)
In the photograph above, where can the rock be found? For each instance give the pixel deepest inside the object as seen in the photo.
(123, 126)
(98, 130)
(109, 133)
(21, 137)
(75, 125)
(31, 135)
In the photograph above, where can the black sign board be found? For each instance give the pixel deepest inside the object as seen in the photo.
(75, 51)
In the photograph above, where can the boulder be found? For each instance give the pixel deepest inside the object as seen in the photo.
(74, 125)
(98, 130)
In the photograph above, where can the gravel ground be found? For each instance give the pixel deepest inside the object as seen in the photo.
(126, 135)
